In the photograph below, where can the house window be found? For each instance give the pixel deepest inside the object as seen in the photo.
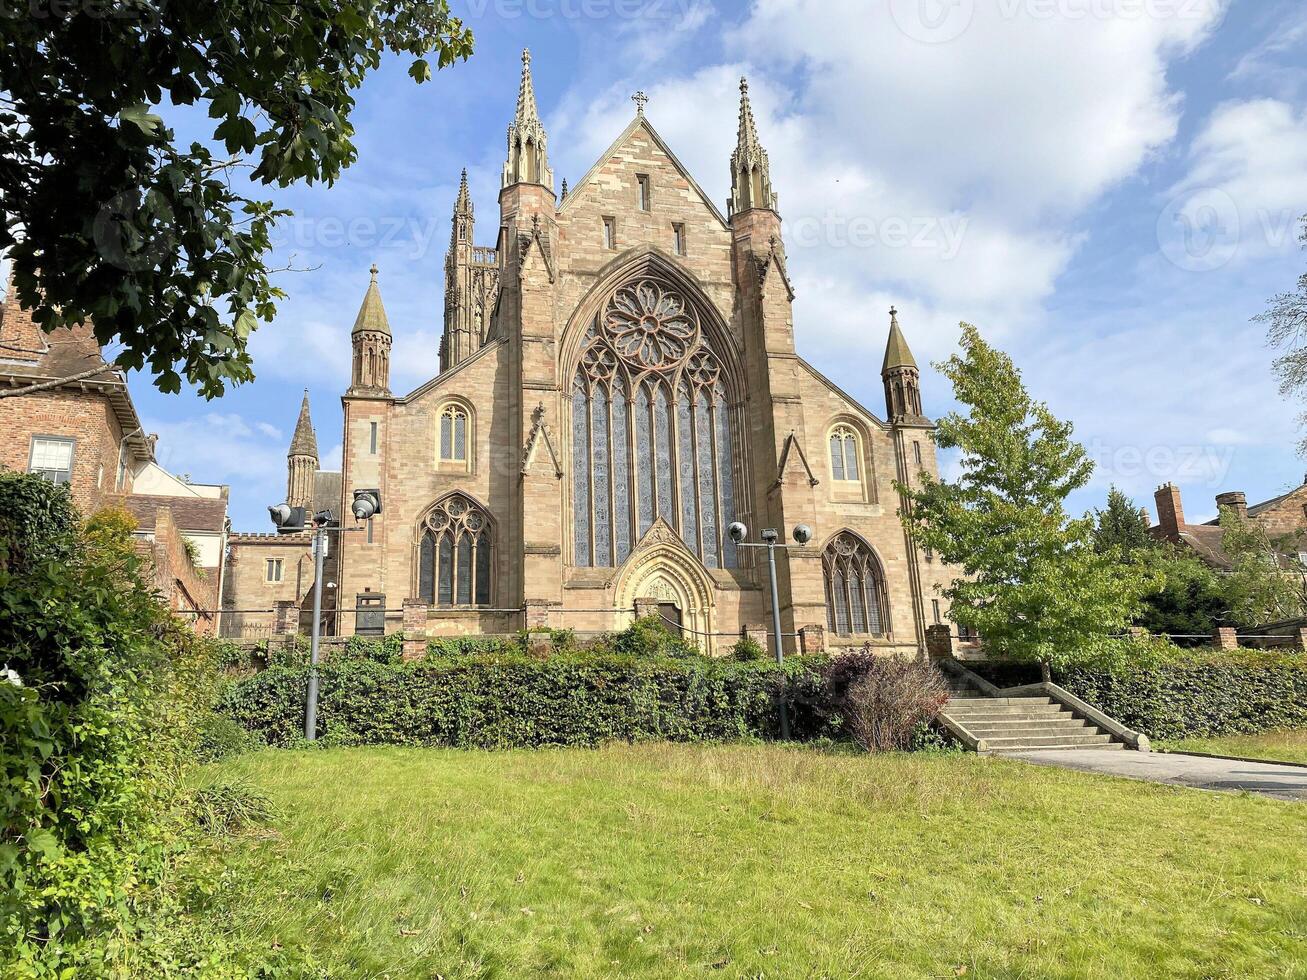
(610, 233)
(52, 458)
(643, 181)
(844, 455)
(855, 594)
(678, 238)
(372, 438)
(453, 434)
(454, 558)
(273, 571)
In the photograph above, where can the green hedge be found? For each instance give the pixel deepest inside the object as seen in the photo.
(1187, 694)
(512, 700)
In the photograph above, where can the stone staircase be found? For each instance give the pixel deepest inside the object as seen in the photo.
(1003, 723)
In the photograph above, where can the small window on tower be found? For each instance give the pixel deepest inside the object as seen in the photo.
(274, 570)
(916, 453)
(643, 181)
(610, 233)
(935, 609)
(678, 238)
(372, 438)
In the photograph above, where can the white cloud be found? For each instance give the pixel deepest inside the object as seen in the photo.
(1243, 193)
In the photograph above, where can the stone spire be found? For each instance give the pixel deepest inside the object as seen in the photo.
(302, 459)
(371, 341)
(900, 375)
(527, 159)
(750, 171)
(461, 230)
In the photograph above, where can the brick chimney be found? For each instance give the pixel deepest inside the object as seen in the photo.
(1170, 512)
(1236, 501)
(20, 338)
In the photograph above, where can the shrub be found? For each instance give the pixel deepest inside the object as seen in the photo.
(227, 807)
(882, 700)
(649, 636)
(464, 646)
(511, 700)
(747, 648)
(219, 737)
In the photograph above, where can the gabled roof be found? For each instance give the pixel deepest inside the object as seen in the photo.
(188, 513)
(641, 120)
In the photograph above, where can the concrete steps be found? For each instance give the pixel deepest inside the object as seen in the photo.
(1011, 724)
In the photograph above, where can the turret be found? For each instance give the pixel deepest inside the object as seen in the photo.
(528, 162)
(463, 325)
(901, 376)
(750, 171)
(302, 459)
(371, 340)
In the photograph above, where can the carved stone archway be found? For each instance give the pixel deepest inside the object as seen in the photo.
(662, 570)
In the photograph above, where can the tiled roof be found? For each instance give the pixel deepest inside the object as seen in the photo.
(188, 513)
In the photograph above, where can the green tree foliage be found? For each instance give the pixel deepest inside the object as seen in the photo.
(1033, 584)
(1265, 584)
(100, 695)
(1121, 526)
(1189, 599)
(1287, 328)
(109, 220)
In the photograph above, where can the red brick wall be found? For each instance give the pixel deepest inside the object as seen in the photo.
(87, 418)
(182, 586)
(20, 338)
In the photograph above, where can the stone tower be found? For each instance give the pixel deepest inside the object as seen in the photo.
(527, 161)
(371, 341)
(302, 459)
(901, 376)
(471, 286)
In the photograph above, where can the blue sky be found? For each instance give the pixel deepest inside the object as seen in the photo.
(1107, 188)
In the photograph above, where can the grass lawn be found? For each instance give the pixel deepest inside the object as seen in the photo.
(1285, 745)
(759, 861)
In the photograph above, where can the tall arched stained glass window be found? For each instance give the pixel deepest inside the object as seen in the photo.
(855, 594)
(651, 431)
(455, 552)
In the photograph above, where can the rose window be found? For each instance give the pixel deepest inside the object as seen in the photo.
(649, 326)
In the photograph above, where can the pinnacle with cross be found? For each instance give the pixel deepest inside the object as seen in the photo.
(640, 99)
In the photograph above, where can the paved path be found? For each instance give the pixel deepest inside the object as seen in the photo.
(1267, 778)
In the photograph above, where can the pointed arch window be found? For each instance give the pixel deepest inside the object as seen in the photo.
(455, 431)
(455, 554)
(845, 455)
(855, 592)
(651, 431)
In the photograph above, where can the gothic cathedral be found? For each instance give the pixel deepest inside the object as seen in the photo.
(617, 384)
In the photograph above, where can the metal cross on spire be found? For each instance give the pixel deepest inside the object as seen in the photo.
(639, 98)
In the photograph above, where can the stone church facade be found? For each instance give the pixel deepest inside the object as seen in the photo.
(618, 382)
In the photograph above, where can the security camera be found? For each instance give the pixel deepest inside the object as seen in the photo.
(802, 533)
(738, 531)
(367, 504)
(770, 536)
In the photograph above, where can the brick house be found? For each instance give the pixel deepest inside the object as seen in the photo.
(1284, 516)
(616, 383)
(79, 427)
(84, 433)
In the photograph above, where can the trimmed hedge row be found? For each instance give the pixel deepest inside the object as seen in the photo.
(515, 701)
(1186, 695)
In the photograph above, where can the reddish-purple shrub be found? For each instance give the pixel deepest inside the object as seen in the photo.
(880, 700)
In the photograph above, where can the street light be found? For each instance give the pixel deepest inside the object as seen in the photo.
(290, 520)
(802, 535)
